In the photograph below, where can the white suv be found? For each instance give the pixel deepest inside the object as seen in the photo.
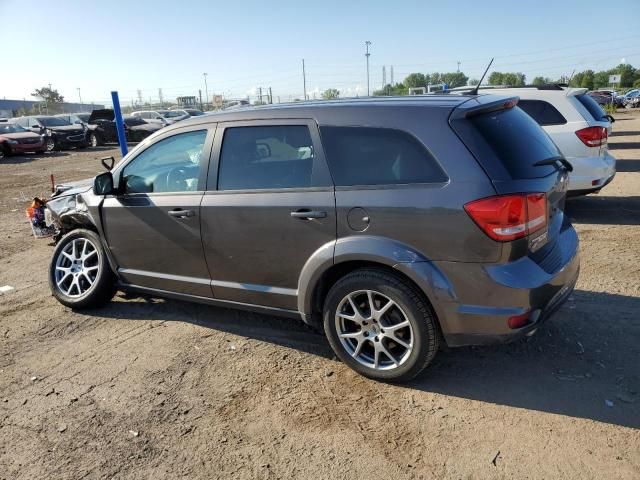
(578, 126)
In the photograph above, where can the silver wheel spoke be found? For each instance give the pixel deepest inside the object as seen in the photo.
(375, 344)
(84, 274)
(89, 255)
(64, 277)
(68, 255)
(73, 277)
(90, 269)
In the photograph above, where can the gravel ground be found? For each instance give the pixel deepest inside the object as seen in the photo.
(149, 388)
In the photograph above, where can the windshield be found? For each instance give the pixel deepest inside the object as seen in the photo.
(169, 114)
(517, 141)
(83, 116)
(53, 121)
(10, 128)
(133, 121)
(592, 106)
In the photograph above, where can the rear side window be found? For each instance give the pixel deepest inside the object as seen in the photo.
(266, 157)
(517, 141)
(542, 112)
(377, 156)
(592, 106)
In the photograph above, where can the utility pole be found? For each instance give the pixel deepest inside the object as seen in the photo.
(80, 97)
(200, 94)
(384, 76)
(206, 90)
(391, 82)
(270, 96)
(260, 93)
(160, 97)
(367, 54)
(139, 97)
(304, 80)
(458, 66)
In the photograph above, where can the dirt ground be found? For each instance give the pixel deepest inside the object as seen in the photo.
(149, 388)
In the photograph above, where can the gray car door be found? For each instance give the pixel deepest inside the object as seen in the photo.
(270, 207)
(152, 227)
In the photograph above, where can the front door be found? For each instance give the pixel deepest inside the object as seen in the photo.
(271, 208)
(153, 226)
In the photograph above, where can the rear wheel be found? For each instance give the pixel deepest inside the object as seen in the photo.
(79, 273)
(380, 325)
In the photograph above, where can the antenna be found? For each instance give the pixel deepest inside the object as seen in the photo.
(475, 90)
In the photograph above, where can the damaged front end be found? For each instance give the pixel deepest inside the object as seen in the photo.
(68, 210)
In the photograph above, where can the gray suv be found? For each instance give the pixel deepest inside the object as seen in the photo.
(395, 224)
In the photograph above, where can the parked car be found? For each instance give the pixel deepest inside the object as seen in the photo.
(58, 133)
(233, 104)
(138, 129)
(394, 224)
(578, 126)
(188, 112)
(163, 117)
(15, 139)
(631, 99)
(608, 97)
(94, 133)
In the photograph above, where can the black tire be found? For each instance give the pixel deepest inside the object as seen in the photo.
(411, 302)
(51, 144)
(97, 293)
(93, 140)
(4, 152)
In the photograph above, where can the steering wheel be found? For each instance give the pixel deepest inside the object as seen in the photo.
(177, 179)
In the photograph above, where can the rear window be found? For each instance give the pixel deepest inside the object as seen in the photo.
(377, 156)
(517, 141)
(542, 112)
(592, 106)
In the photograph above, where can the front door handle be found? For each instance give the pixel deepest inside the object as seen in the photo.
(305, 214)
(180, 213)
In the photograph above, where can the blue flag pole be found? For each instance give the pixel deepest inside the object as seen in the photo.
(122, 138)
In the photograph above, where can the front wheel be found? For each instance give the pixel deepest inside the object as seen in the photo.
(380, 325)
(93, 140)
(79, 274)
(50, 144)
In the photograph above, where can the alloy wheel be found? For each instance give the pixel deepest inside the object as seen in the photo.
(374, 330)
(50, 144)
(77, 268)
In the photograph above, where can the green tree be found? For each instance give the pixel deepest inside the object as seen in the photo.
(587, 79)
(330, 94)
(454, 79)
(496, 78)
(473, 82)
(48, 95)
(538, 81)
(397, 89)
(415, 80)
(601, 79)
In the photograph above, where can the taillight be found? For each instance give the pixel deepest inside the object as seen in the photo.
(509, 217)
(593, 136)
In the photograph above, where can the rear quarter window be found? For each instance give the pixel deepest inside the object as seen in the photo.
(542, 112)
(378, 156)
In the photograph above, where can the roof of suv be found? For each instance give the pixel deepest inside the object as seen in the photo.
(306, 108)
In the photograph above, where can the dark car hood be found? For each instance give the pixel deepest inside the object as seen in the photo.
(66, 128)
(19, 135)
(101, 114)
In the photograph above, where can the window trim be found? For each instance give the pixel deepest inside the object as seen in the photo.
(210, 128)
(389, 186)
(320, 171)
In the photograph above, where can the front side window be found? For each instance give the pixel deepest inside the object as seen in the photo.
(378, 156)
(170, 165)
(266, 157)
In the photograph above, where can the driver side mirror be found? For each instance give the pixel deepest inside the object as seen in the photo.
(103, 184)
(610, 118)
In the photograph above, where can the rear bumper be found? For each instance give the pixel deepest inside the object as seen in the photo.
(590, 174)
(487, 295)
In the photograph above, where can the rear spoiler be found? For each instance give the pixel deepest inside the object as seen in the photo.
(573, 92)
(483, 104)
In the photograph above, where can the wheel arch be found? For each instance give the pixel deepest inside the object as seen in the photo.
(337, 259)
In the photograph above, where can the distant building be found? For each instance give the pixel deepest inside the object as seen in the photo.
(10, 108)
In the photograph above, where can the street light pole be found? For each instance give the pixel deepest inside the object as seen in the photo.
(206, 90)
(80, 97)
(367, 54)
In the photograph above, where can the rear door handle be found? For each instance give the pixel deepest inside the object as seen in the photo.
(308, 214)
(180, 213)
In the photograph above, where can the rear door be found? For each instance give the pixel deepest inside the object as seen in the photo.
(268, 209)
